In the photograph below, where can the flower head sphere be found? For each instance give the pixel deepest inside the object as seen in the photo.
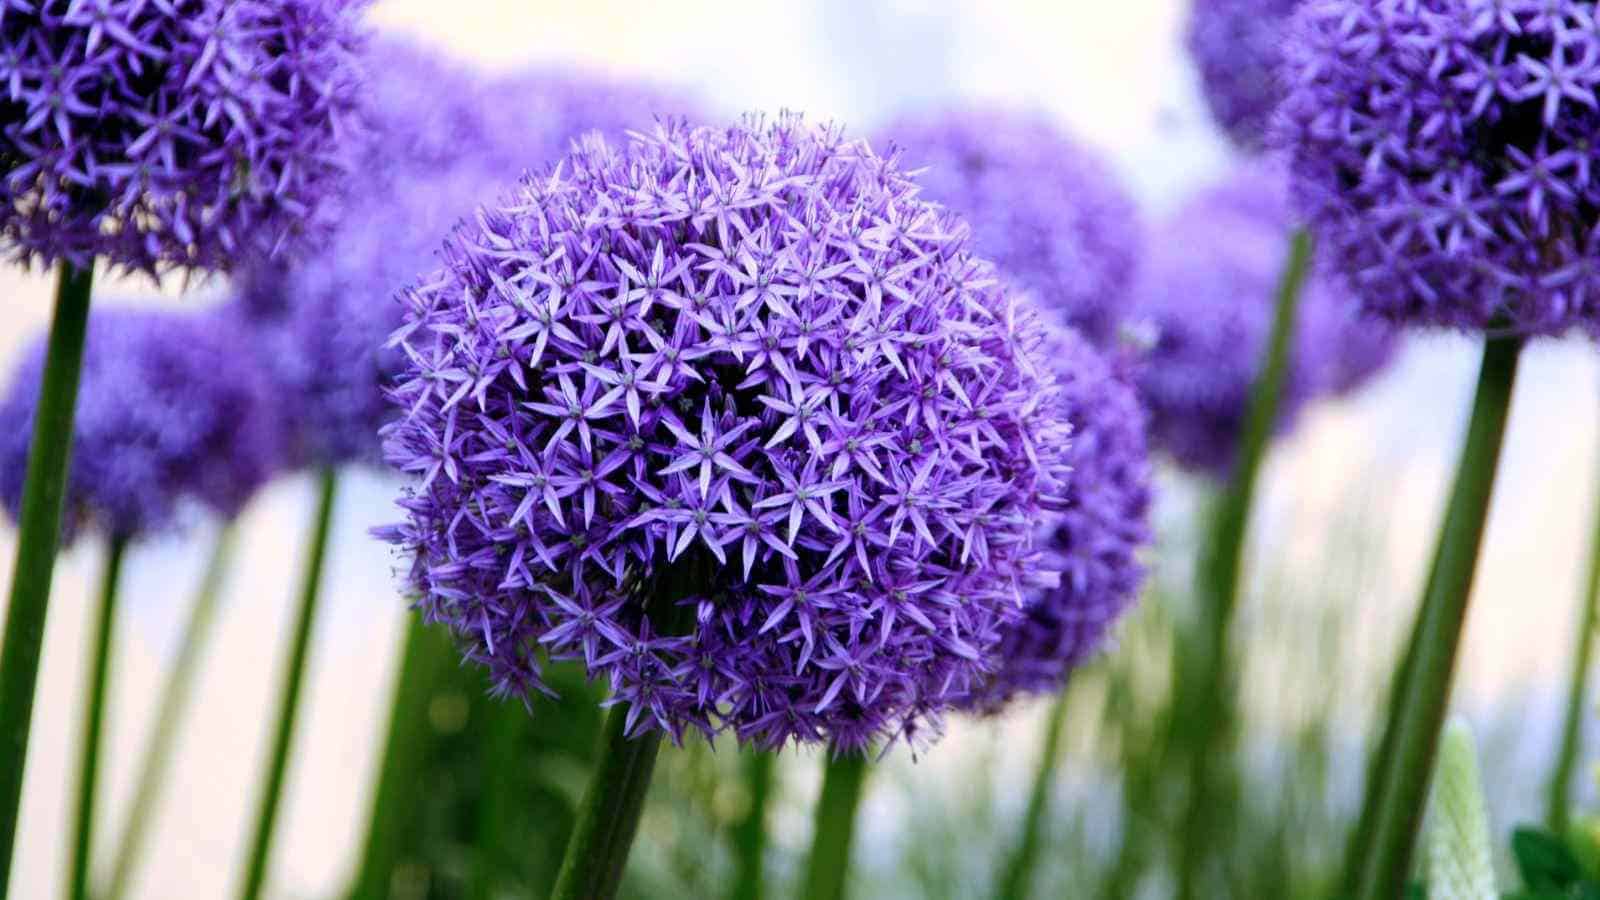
(739, 421)
(1237, 46)
(440, 139)
(1208, 297)
(1048, 211)
(1094, 542)
(168, 133)
(171, 410)
(1443, 150)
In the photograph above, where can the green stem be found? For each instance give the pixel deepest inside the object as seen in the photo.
(155, 762)
(289, 702)
(829, 866)
(1218, 579)
(393, 806)
(94, 720)
(750, 832)
(597, 852)
(40, 529)
(1018, 875)
(1577, 692)
(504, 756)
(1422, 695)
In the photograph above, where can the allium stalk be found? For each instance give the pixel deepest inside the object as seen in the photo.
(828, 867)
(40, 528)
(750, 832)
(1016, 878)
(1209, 685)
(289, 699)
(1380, 858)
(79, 870)
(1568, 750)
(424, 650)
(156, 760)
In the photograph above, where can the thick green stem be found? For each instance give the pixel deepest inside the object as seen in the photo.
(289, 702)
(829, 866)
(1423, 694)
(40, 529)
(597, 852)
(393, 804)
(1577, 692)
(155, 762)
(94, 717)
(1218, 577)
(750, 832)
(1018, 875)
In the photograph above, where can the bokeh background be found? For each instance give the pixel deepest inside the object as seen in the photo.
(1342, 531)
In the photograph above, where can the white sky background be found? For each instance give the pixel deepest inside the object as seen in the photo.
(1112, 71)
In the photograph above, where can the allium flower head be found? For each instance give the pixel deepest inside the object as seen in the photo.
(1049, 212)
(1208, 296)
(737, 419)
(440, 140)
(1237, 46)
(1095, 540)
(1443, 149)
(162, 133)
(171, 409)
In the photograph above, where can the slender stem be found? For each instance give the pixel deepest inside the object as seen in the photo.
(597, 852)
(289, 702)
(393, 806)
(94, 721)
(40, 522)
(1577, 692)
(750, 832)
(505, 753)
(1211, 684)
(1423, 694)
(157, 758)
(1018, 874)
(829, 866)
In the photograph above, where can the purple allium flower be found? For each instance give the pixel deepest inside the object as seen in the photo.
(737, 419)
(1237, 45)
(1095, 541)
(1443, 151)
(171, 408)
(1208, 294)
(1049, 212)
(163, 133)
(441, 139)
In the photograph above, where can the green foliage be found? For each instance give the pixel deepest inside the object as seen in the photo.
(1458, 861)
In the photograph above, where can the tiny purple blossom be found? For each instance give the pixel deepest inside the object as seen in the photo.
(1443, 151)
(813, 400)
(170, 133)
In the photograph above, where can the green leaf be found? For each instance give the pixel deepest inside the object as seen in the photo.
(1544, 861)
(1459, 858)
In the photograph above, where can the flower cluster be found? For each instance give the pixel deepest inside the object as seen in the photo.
(737, 419)
(1049, 212)
(1237, 46)
(1443, 150)
(162, 133)
(170, 409)
(1208, 296)
(1094, 542)
(440, 139)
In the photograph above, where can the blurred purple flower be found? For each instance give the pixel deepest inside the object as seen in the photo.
(1095, 540)
(1049, 212)
(1237, 46)
(442, 139)
(171, 409)
(1443, 151)
(168, 133)
(736, 419)
(1208, 295)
